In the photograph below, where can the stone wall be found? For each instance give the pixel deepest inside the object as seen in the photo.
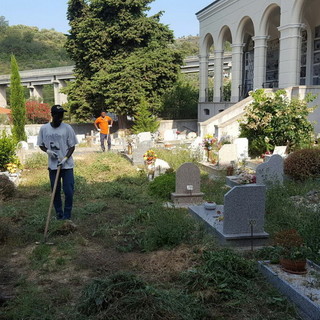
(85, 128)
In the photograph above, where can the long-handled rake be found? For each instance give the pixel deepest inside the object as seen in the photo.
(45, 235)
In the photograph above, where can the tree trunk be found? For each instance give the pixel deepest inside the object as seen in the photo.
(122, 122)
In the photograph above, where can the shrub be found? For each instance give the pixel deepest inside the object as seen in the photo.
(303, 164)
(7, 150)
(125, 296)
(273, 119)
(37, 112)
(163, 185)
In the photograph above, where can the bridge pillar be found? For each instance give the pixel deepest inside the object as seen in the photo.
(59, 97)
(3, 96)
(36, 92)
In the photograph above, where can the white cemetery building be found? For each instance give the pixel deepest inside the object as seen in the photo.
(275, 44)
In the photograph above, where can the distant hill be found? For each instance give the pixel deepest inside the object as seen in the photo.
(33, 48)
(36, 49)
(189, 45)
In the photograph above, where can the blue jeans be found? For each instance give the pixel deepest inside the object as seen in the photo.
(68, 188)
(105, 137)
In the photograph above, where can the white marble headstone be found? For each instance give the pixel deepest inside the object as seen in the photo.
(228, 153)
(144, 136)
(280, 150)
(170, 134)
(242, 148)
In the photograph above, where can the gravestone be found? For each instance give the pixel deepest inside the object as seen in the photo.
(142, 148)
(196, 144)
(32, 141)
(170, 134)
(144, 136)
(81, 137)
(243, 216)
(227, 153)
(243, 204)
(280, 150)
(242, 148)
(187, 185)
(192, 135)
(271, 172)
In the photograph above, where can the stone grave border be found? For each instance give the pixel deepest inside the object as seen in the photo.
(307, 308)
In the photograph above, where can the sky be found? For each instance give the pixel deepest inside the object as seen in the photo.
(48, 14)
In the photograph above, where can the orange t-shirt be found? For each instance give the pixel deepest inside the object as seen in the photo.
(103, 124)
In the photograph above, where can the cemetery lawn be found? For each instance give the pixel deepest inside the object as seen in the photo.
(130, 258)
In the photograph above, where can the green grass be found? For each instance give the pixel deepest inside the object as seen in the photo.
(178, 272)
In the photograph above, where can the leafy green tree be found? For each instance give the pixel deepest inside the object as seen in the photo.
(121, 57)
(272, 119)
(181, 101)
(144, 120)
(17, 103)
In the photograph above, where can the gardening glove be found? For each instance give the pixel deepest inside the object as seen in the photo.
(52, 154)
(62, 162)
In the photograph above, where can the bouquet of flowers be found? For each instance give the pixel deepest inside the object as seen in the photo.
(245, 178)
(150, 157)
(210, 142)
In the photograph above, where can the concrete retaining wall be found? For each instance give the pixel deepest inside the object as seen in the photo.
(85, 128)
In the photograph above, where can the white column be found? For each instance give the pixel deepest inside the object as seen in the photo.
(237, 53)
(218, 69)
(3, 95)
(260, 60)
(203, 77)
(59, 97)
(290, 51)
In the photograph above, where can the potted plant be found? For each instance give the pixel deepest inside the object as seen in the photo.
(293, 252)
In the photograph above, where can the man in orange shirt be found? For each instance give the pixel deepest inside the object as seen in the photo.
(103, 125)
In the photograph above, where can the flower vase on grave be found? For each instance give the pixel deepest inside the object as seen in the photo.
(208, 155)
(129, 149)
(213, 157)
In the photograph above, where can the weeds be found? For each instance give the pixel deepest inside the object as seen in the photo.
(125, 296)
(37, 160)
(176, 157)
(163, 185)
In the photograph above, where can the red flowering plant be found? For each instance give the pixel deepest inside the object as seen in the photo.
(37, 112)
(291, 244)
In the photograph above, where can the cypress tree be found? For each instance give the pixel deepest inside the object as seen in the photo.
(17, 103)
(144, 119)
